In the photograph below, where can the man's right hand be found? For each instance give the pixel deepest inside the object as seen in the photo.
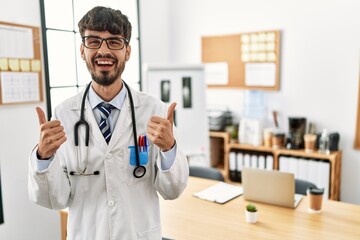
(52, 135)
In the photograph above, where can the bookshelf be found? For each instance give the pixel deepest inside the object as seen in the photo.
(223, 163)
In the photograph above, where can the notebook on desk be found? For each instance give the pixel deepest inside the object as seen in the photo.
(272, 187)
(220, 192)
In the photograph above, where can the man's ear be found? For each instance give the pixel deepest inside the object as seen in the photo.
(82, 52)
(128, 52)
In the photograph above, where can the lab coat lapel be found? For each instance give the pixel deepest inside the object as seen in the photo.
(124, 123)
(95, 132)
(94, 127)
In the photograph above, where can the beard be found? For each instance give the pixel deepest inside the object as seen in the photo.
(106, 78)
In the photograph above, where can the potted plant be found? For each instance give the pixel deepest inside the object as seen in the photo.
(251, 213)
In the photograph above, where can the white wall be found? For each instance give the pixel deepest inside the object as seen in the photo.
(19, 132)
(320, 45)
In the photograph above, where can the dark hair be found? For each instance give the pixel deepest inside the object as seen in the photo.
(105, 19)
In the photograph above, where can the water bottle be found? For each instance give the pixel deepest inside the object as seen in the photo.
(324, 143)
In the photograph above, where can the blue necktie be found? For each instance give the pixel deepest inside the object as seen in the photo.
(105, 110)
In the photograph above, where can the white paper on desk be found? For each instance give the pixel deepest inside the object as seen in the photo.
(220, 192)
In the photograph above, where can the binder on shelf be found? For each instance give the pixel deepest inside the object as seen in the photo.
(283, 167)
(254, 161)
(303, 169)
(324, 177)
(247, 160)
(261, 161)
(239, 165)
(293, 164)
(269, 162)
(313, 170)
(232, 166)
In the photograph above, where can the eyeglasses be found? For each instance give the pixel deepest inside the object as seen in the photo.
(113, 43)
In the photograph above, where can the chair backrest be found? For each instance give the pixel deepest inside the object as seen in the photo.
(206, 172)
(301, 186)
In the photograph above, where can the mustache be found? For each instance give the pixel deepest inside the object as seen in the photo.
(104, 56)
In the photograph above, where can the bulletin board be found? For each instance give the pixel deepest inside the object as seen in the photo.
(20, 64)
(252, 59)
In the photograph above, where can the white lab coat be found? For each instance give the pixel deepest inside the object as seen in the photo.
(114, 204)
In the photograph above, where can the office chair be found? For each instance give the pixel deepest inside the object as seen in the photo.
(206, 172)
(301, 186)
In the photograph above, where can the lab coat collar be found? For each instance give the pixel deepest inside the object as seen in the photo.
(76, 104)
(123, 123)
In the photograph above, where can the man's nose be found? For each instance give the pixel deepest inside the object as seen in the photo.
(103, 47)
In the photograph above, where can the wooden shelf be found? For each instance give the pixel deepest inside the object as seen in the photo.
(334, 159)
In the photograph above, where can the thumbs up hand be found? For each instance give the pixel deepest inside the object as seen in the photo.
(52, 135)
(160, 130)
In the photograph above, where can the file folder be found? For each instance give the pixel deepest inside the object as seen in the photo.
(220, 192)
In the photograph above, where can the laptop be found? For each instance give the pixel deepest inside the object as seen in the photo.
(271, 187)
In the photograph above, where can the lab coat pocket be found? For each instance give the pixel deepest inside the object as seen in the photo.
(143, 155)
(132, 164)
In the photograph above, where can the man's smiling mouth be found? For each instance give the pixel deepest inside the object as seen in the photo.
(104, 63)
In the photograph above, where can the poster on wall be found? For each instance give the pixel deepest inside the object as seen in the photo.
(185, 85)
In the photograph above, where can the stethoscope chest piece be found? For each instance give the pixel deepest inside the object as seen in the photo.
(139, 171)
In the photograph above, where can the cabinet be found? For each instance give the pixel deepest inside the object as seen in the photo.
(334, 158)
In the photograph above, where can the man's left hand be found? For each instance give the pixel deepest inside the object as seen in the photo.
(160, 130)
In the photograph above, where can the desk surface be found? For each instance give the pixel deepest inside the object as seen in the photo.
(191, 218)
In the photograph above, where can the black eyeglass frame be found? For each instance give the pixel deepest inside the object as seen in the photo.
(126, 42)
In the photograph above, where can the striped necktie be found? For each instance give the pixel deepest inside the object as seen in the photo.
(105, 110)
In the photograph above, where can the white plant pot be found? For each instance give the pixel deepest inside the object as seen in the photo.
(251, 217)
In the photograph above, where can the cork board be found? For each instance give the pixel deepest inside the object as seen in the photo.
(20, 64)
(253, 59)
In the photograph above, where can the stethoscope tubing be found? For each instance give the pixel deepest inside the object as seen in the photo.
(139, 170)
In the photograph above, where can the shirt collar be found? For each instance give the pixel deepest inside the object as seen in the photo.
(117, 101)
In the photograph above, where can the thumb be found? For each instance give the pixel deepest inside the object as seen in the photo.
(170, 113)
(41, 115)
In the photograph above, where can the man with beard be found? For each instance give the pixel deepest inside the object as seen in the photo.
(105, 196)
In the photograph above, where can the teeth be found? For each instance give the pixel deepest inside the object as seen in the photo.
(105, 62)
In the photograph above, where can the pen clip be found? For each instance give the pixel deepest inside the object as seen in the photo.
(141, 143)
(145, 143)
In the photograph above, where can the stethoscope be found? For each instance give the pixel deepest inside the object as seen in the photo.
(139, 170)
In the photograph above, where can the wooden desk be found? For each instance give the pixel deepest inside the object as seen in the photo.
(190, 218)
